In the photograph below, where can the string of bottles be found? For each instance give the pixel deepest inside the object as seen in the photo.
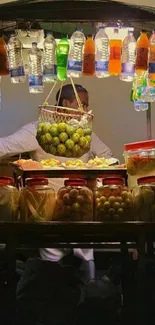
(95, 56)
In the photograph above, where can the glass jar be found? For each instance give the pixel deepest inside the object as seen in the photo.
(144, 199)
(37, 200)
(74, 202)
(113, 201)
(9, 199)
(140, 160)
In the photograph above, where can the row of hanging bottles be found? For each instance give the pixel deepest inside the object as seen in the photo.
(131, 60)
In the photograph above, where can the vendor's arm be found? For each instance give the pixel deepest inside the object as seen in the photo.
(98, 148)
(24, 140)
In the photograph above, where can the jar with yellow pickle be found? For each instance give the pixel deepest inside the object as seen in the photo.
(74, 202)
(37, 201)
(9, 200)
(113, 201)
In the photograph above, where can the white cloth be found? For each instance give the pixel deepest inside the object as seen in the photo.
(24, 140)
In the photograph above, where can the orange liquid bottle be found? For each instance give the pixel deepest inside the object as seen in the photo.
(151, 59)
(4, 65)
(115, 54)
(142, 53)
(89, 57)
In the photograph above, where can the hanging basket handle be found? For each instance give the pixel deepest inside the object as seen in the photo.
(80, 107)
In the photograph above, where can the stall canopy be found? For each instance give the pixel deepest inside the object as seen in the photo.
(64, 16)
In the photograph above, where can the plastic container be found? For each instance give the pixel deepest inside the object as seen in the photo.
(144, 199)
(89, 57)
(75, 58)
(9, 200)
(16, 63)
(37, 201)
(64, 132)
(113, 201)
(142, 53)
(49, 61)
(101, 54)
(140, 160)
(74, 202)
(115, 54)
(128, 57)
(151, 59)
(4, 62)
(35, 70)
(62, 58)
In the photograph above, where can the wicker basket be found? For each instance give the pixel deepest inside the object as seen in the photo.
(64, 131)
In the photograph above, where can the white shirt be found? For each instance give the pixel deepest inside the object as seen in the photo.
(24, 140)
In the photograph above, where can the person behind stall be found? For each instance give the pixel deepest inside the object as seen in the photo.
(53, 286)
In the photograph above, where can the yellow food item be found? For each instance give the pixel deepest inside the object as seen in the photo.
(51, 162)
(98, 162)
(75, 162)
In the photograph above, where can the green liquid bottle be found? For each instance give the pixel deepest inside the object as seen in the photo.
(62, 58)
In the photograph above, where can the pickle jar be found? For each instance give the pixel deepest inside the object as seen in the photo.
(144, 199)
(37, 200)
(74, 202)
(113, 201)
(9, 200)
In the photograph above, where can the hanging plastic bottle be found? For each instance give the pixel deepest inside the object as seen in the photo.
(151, 58)
(139, 105)
(89, 57)
(62, 58)
(115, 54)
(142, 53)
(35, 70)
(128, 57)
(75, 58)
(16, 64)
(49, 61)
(101, 53)
(4, 63)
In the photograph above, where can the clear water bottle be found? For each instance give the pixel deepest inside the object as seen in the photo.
(128, 57)
(75, 58)
(49, 62)
(101, 54)
(62, 58)
(16, 64)
(35, 70)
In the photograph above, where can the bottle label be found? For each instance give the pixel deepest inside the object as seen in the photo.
(115, 53)
(128, 68)
(50, 71)
(142, 58)
(75, 65)
(152, 67)
(101, 66)
(35, 81)
(17, 72)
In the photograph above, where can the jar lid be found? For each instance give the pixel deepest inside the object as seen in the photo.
(36, 181)
(150, 144)
(146, 180)
(6, 180)
(113, 181)
(75, 182)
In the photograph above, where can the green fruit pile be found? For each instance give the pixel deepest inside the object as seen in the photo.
(144, 203)
(62, 139)
(113, 204)
(74, 204)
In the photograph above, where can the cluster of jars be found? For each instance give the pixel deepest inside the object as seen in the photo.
(78, 200)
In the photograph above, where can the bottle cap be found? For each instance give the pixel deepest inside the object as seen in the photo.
(36, 181)
(6, 180)
(75, 182)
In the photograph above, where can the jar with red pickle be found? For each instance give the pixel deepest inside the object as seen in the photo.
(74, 202)
(113, 201)
(37, 200)
(144, 199)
